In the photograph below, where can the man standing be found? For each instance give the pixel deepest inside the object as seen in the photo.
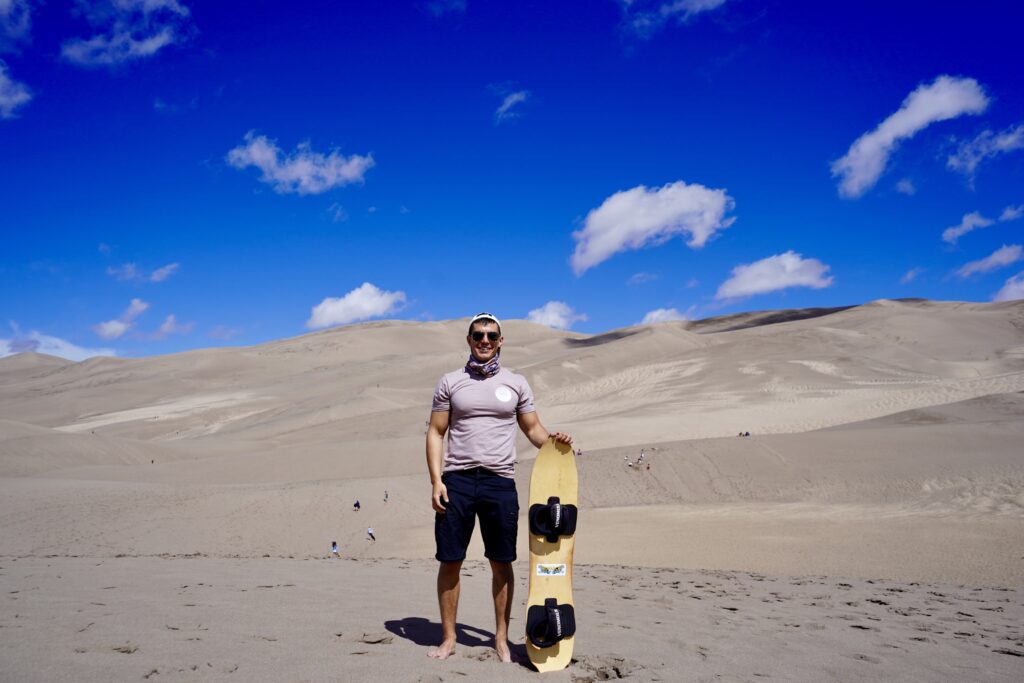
(479, 406)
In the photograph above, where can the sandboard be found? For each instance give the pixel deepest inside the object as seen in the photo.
(554, 475)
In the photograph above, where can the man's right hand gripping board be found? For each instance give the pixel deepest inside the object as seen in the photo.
(550, 616)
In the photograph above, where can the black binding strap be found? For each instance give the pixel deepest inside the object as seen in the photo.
(553, 520)
(549, 623)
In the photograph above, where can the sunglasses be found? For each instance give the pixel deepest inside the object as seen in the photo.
(491, 336)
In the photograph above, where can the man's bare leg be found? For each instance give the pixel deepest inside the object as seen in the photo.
(502, 586)
(448, 599)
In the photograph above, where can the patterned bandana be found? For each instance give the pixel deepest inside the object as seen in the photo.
(488, 369)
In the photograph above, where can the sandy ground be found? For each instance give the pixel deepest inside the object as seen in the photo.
(203, 618)
(170, 517)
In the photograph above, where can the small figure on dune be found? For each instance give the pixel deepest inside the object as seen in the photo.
(369, 532)
(385, 495)
(356, 506)
(334, 548)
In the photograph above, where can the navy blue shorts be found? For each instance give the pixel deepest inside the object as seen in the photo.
(471, 493)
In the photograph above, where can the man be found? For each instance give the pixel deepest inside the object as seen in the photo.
(479, 406)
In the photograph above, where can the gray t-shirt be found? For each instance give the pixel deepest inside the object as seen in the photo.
(482, 425)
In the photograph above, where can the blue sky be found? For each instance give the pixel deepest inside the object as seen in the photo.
(179, 175)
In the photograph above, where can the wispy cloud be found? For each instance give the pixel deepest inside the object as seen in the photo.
(911, 275)
(13, 95)
(362, 303)
(37, 342)
(645, 18)
(641, 217)
(1012, 213)
(987, 145)
(224, 332)
(129, 30)
(171, 326)
(780, 271)
(1001, 257)
(661, 315)
(441, 7)
(945, 98)
(1012, 289)
(970, 221)
(906, 186)
(302, 172)
(130, 272)
(506, 110)
(641, 278)
(557, 314)
(114, 329)
(15, 23)
(974, 220)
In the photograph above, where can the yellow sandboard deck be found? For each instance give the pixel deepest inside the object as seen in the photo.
(554, 475)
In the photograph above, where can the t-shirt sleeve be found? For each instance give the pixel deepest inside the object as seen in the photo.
(525, 404)
(442, 396)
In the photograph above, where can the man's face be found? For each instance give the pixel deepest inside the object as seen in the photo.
(485, 348)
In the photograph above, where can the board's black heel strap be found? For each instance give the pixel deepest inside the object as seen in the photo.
(553, 520)
(549, 623)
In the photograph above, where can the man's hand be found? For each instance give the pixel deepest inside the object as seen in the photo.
(440, 494)
(561, 437)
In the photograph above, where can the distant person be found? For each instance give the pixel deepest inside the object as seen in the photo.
(385, 496)
(369, 532)
(356, 506)
(478, 406)
(334, 547)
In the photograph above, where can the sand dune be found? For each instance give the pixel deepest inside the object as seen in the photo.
(885, 445)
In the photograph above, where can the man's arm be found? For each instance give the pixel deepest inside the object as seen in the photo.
(535, 432)
(435, 454)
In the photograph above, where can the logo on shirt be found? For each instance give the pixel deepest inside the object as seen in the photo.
(503, 394)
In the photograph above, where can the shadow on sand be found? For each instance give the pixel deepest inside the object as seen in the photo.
(428, 634)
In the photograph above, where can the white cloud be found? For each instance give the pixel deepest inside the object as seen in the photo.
(987, 145)
(1011, 213)
(337, 212)
(906, 186)
(129, 30)
(113, 329)
(1003, 256)
(641, 278)
(945, 98)
(773, 273)
(645, 18)
(54, 346)
(440, 7)
(161, 274)
(971, 221)
(302, 172)
(170, 326)
(1012, 290)
(504, 111)
(224, 332)
(127, 271)
(15, 22)
(910, 275)
(639, 217)
(13, 95)
(362, 303)
(131, 272)
(557, 314)
(661, 315)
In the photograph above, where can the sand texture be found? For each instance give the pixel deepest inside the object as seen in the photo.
(170, 518)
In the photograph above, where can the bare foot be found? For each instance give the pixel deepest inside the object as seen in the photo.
(503, 652)
(443, 651)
